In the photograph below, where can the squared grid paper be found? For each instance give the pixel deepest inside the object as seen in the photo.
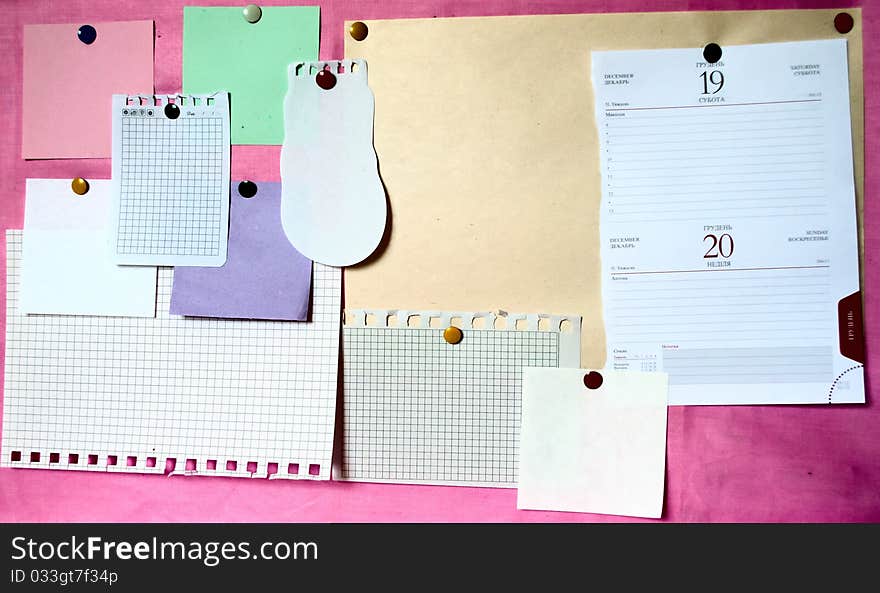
(173, 184)
(419, 410)
(131, 390)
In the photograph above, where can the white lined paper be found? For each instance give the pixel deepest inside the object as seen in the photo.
(728, 222)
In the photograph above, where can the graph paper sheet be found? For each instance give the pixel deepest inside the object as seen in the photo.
(218, 396)
(171, 179)
(419, 410)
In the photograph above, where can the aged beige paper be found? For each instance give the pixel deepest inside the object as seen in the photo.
(487, 147)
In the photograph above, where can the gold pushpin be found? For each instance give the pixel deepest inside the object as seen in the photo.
(452, 334)
(358, 31)
(79, 186)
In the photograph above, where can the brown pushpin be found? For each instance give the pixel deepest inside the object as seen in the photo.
(843, 22)
(452, 334)
(325, 79)
(358, 31)
(593, 380)
(79, 186)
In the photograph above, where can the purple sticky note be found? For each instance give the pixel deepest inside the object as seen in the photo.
(264, 277)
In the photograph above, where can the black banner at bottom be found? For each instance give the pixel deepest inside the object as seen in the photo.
(151, 557)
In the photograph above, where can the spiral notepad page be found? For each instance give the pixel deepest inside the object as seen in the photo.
(171, 179)
(219, 396)
(420, 410)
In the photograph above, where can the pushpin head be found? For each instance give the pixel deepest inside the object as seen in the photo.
(843, 22)
(712, 53)
(87, 34)
(252, 13)
(593, 380)
(452, 334)
(79, 186)
(326, 80)
(172, 111)
(358, 31)
(247, 189)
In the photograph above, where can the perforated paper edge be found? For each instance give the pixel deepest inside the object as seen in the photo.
(169, 464)
(567, 326)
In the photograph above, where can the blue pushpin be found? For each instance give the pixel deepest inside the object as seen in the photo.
(87, 34)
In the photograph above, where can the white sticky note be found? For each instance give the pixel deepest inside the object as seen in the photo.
(67, 265)
(332, 201)
(593, 450)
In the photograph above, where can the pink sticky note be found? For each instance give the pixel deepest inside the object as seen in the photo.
(68, 85)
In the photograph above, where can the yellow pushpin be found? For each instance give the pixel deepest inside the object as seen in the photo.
(452, 334)
(79, 186)
(358, 31)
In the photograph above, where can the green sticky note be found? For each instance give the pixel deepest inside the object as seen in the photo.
(224, 52)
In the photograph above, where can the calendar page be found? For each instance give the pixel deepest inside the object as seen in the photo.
(728, 221)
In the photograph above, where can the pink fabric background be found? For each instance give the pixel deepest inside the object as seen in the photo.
(786, 463)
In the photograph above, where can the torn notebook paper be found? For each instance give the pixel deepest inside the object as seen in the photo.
(264, 277)
(332, 200)
(171, 179)
(593, 442)
(67, 265)
(422, 407)
(207, 397)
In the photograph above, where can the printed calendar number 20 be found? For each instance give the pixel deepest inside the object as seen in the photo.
(722, 246)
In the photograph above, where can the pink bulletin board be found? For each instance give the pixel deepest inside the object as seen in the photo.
(730, 464)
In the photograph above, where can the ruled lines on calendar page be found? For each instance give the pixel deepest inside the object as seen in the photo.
(728, 221)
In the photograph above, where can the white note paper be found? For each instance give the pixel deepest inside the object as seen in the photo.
(728, 222)
(332, 200)
(593, 450)
(171, 180)
(67, 264)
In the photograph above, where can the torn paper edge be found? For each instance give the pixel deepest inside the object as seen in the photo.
(567, 326)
